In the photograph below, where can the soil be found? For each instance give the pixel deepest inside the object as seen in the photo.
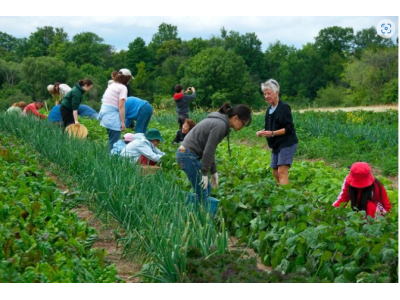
(233, 244)
(106, 238)
(376, 108)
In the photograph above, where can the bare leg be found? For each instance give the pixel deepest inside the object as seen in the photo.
(283, 174)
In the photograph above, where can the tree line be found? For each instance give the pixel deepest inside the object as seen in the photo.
(340, 68)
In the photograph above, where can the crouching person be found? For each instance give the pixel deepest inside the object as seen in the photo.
(121, 144)
(364, 191)
(144, 151)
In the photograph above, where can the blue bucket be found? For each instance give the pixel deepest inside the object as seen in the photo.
(211, 203)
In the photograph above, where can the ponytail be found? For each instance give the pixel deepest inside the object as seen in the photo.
(225, 109)
(84, 82)
(241, 110)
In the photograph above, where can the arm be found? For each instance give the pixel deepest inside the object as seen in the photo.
(343, 195)
(34, 111)
(121, 104)
(146, 150)
(215, 136)
(385, 200)
(177, 137)
(75, 114)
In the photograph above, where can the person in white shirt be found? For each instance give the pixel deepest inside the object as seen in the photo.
(144, 150)
(112, 112)
(58, 90)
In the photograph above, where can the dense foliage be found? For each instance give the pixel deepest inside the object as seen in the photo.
(293, 228)
(40, 240)
(341, 67)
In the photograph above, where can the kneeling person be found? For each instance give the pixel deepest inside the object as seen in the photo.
(144, 151)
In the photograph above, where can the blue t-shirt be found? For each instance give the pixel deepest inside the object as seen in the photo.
(132, 107)
(83, 111)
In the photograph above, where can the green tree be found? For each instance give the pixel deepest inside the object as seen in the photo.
(8, 47)
(40, 41)
(141, 83)
(369, 39)
(137, 52)
(220, 76)
(87, 48)
(334, 45)
(9, 73)
(369, 75)
(39, 72)
(248, 46)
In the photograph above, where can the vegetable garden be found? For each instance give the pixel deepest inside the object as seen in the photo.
(294, 229)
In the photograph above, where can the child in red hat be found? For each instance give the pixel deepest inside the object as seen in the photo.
(364, 191)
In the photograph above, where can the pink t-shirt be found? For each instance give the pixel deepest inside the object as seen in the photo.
(114, 93)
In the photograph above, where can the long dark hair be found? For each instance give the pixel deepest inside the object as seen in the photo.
(241, 110)
(366, 194)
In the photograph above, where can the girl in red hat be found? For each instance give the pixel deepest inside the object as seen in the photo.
(364, 191)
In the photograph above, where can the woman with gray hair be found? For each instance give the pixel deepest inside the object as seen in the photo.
(279, 131)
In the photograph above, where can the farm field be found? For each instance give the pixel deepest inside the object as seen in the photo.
(294, 229)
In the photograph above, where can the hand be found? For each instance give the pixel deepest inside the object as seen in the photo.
(123, 127)
(204, 182)
(214, 180)
(193, 90)
(76, 122)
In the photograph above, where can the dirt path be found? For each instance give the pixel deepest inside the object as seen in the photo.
(376, 108)
(106, 238)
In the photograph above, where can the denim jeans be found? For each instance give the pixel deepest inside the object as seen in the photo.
(113, 137)
(143, 119)
(190, 163)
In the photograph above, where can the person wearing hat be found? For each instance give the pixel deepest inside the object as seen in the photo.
(72, 100)
(33, 109)
(202, 141)
(279, 131)
(139, 110)
(58, 90)
(127, 138)
(144, 151)
(364, 191)
(112, 111)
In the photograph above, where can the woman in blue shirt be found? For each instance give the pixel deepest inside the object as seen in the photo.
(139, 110)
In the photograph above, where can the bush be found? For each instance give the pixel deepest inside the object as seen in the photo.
(331, 96)
(391, 91)
(8, 96)
(164, 101)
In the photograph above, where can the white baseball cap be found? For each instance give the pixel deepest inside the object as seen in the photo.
(125, 72)
(50, 88)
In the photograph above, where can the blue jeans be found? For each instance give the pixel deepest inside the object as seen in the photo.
(190, 163)
(113, 137)
(143, 119)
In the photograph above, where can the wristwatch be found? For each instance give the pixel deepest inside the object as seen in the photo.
(272, 134)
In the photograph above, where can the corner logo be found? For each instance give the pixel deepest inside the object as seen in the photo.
(386, 28)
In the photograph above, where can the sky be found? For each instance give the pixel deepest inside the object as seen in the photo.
(119, 31)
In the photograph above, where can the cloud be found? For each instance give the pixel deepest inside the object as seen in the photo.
(120, 31)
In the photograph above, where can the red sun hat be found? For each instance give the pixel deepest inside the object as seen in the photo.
(360, 175)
